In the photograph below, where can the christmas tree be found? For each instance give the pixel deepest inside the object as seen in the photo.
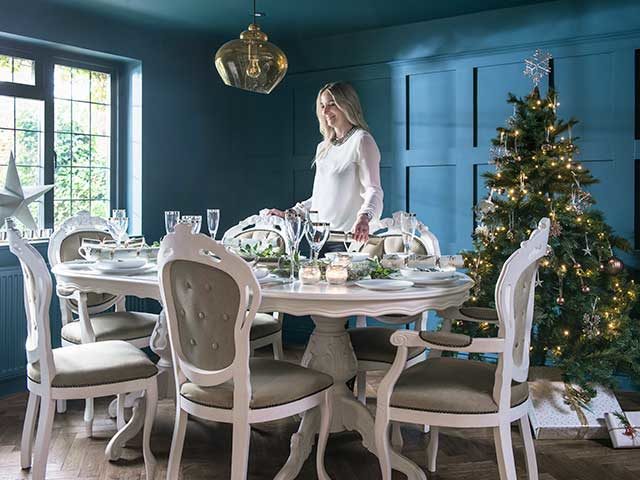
(584, 296)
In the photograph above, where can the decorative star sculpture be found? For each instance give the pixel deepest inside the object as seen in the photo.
(537, 66)
(15, 200)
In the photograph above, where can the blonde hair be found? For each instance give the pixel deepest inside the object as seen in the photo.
(346, 99)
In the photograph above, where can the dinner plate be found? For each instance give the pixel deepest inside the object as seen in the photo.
(80, 264)
(147, 268)
(447, 280)
(355, 256)
(272, 280)
(382, 284)
(119, 264)
(260, 272)
(420, 276)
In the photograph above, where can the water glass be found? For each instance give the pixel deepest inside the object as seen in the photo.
(408, 225)
(118, 226)
(213, 219)
(294, 231)
(194, 220)
(171, 219)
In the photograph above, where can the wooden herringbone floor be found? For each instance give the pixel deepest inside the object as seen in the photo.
(463, 455)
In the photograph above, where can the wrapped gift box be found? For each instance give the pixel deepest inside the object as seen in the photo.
(620, 437)
(559, 412)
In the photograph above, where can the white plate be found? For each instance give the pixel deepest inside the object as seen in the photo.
(80, 264)
(383, 284)
(260, 272)
(147, 268)
(418, 276)
(272, 280)
(355, 256)
(429, 281)
(120, 264)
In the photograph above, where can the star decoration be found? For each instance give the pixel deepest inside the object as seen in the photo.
(539, 283)
(587, 251)
(537, 66)
(15, 200)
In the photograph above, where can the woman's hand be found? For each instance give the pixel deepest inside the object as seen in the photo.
(361, 229)
(276, 212)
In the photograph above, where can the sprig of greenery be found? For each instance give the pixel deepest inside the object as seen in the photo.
(259, 251)
(377, 270)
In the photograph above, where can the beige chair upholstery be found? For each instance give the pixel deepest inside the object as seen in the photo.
(264, 325)
(451, 385)
(481, 314)
(263, 234)
(372, 344)
(379, 246)
(113, 326)
(273, 383)
(96, 364)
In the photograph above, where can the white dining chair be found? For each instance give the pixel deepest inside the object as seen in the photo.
(454, 392)
(87, 317)
(73, 372)
(211, 297)
(371, 344)
(267, 327)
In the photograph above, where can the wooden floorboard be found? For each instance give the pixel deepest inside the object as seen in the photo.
(463, 455)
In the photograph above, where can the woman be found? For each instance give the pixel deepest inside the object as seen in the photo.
(346, 189)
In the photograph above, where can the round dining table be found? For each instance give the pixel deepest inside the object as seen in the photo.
(329, 349)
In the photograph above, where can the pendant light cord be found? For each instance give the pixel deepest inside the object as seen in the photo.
(254, 11)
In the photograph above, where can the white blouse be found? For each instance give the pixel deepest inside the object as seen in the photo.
(347, 182)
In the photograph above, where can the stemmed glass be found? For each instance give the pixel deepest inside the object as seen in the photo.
(194, 220)
(171, 219)
(119, 223)
(294, 231)
(408, 225)
(213, 219)
(317, 234)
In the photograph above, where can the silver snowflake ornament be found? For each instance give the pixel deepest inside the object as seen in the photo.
(537, 66)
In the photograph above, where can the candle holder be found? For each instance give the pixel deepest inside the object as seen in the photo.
(309, 273)
(337, 274)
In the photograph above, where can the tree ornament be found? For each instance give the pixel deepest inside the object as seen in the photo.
(546, 148)
(613, 266)
(591, 321)
(560, 301)
(585, 288)
(556, 229)
(537, 66)
(586, 249)
(15, 199)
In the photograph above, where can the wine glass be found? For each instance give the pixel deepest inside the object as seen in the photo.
(213, 219)
(347, 240)
(194, 220)
(171, 219)
(408, 225)
(119, 223)
(317, 234)
(294, 231)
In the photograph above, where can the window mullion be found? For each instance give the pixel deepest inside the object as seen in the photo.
(49, 147)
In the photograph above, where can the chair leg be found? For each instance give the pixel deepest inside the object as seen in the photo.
(43, 437)
(396, 436)
(529, 448)
(151, 399)
(326, 408)
(381, 432)
(88, 417)
(504, 451)
(240, 449)
(177, 442)
(432, 449)
(30, 417)
(120, 420)
(361, 386)
(278, 352)
(62, 406)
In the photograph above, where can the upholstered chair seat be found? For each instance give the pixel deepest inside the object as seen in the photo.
(372, 344)
(113, 326)
(264, 325)
(481, 314)
(96, 364)
(451, 385)
(273, 383)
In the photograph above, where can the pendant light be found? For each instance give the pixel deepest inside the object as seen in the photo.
(251, 62)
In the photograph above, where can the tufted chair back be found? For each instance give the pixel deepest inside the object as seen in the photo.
(211, 297)
(259, 227)
(392, 243)
(387, 238)
(64, 245)
(514, 298)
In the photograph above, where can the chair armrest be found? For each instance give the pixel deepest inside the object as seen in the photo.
(447, 341)
(471, 314)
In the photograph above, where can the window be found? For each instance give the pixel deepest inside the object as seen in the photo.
(56, 115)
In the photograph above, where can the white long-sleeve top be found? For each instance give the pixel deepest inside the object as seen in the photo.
(347, 182)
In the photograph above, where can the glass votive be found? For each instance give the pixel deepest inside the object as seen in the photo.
(337, 274)
(309, 273)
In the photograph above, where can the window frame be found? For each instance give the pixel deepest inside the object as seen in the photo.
(46, 59)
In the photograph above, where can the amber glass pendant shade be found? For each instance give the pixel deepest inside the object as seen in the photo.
(251, 62)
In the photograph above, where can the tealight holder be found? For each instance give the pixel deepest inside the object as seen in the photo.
(309, 273)
(337, 273)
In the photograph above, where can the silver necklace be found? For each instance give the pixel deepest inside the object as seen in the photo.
(339, 141)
